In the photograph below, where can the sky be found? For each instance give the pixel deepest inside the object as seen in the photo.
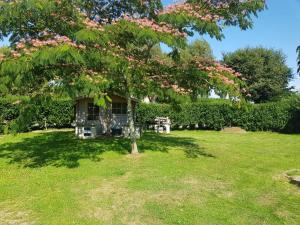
(277, 27)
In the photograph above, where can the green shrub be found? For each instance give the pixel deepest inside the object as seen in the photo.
(217, 114)
(283, 116)
(206, 114)
(9, 110)
(264, 117)
(27, 114)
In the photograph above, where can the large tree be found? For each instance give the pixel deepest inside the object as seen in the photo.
(264, 70)
(198, 48)
(92, 48)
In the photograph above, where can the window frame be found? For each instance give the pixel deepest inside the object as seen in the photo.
(93, 112)
(121, 109)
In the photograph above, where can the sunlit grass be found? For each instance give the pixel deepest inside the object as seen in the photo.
(188, 177)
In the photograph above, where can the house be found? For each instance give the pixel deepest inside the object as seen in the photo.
(92, 121)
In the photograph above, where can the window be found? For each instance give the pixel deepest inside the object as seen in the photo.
(93, 112)
(119, 108)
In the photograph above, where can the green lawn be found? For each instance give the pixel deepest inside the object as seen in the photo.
(188, 177)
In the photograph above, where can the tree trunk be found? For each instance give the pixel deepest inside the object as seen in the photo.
(132, 130)
(108, 119)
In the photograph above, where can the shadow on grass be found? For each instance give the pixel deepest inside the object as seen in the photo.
(63, 149)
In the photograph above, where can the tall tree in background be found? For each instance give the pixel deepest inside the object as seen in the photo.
(264, 70)
(198, 51)
(198, 48)
(92, 48)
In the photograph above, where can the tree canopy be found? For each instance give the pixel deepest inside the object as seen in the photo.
(91, 48)
(264, 71)
(198, 49)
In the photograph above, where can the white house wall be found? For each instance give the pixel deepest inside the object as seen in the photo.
(106, 121)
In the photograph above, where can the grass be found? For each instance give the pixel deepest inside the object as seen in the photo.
(188, 177)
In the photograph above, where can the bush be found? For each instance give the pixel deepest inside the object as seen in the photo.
(217, 114)
(9, 110)
(264, 117)
(26, 115)
(212, 114)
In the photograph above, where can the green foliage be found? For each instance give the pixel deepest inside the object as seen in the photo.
(90, 48)
(200, 48)
(216, 114)
(20, 19)
(8, 111)
(192, 78)
(101, 62)
(294, 102)
(62, 54)
(22, 114)
(265, 70)
(111, 9)
(238, 13)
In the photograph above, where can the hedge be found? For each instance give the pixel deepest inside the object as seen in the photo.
(216, 114)
(283, 116)
(38, 114)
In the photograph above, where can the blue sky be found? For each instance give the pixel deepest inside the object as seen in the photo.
(278, 27)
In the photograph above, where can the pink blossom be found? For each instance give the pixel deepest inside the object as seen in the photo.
(15, 54)
(81, 46)
(193, 10)
(20, 45)
(2, 57)
(93, 24)
(162, 27)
